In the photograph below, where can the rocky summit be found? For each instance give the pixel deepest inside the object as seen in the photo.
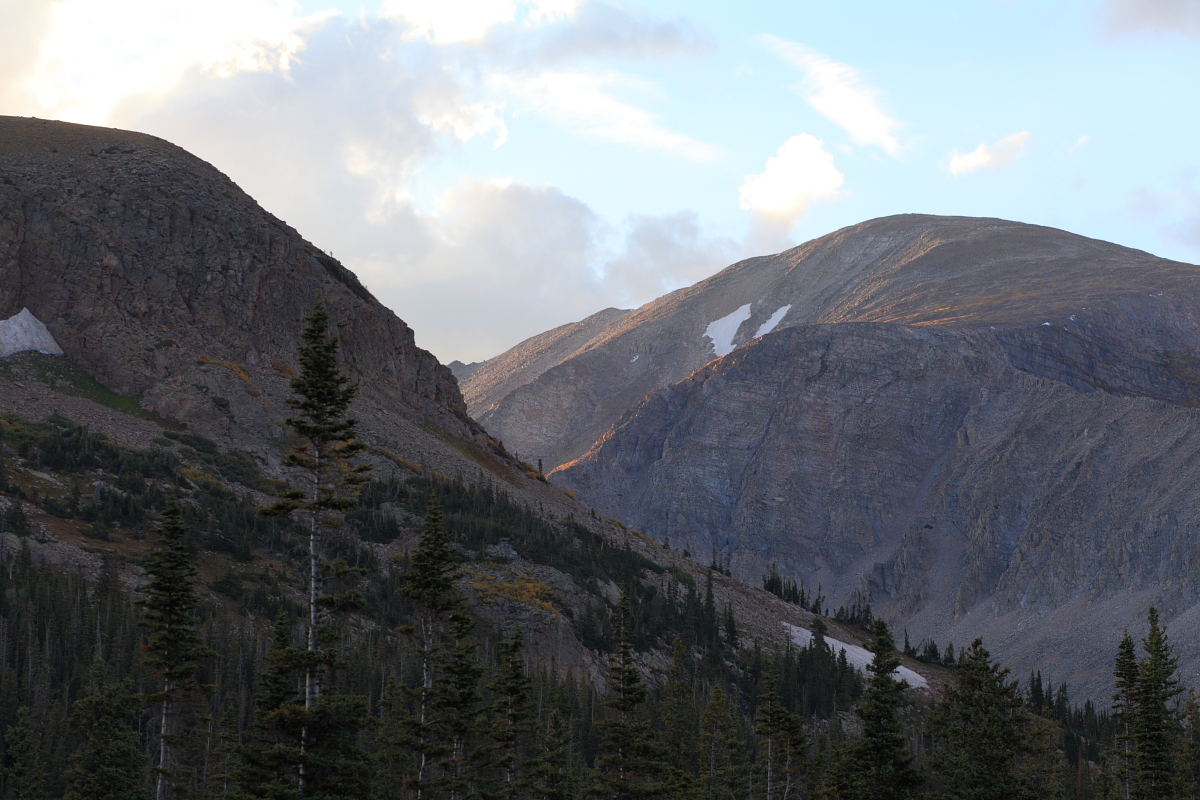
(988, 427)
(168, 283)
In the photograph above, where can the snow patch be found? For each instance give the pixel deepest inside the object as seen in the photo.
(26, 332)
(635, 358)
(858, 657)
(770, 324)
(722, 331)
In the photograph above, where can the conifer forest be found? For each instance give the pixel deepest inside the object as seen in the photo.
(328, 672)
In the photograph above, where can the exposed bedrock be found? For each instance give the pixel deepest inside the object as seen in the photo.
(921, 465)
(166, 281)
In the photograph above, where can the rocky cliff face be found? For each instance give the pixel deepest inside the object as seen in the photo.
(959, 272)
(990, 427)
(922, 466)
(161, 277)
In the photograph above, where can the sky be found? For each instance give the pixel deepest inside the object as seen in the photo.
(494, 168)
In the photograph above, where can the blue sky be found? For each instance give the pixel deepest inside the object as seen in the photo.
(493, 168)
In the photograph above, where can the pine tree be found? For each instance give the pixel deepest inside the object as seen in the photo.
(986, 743)
(456, 702)
(268, 764)
(323, 396)
(1125, 671)
(429, 585)
(678, 715)
(551, 776)
(1155, 724)
(629, 765)
(25, 778)
(107, 765)
(783, 747)
(719, 748)
(1188, 757)
(512, 724)
(174, 648)
(878, 766)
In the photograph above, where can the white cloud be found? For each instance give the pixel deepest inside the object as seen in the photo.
(1180, 17)
(596, 29)
(837, 91)
(583, 103)
(801, 172)
(659, 254)
(330, 129)
(510, 260)
(449, 21)
(994, 156)
(96, 53)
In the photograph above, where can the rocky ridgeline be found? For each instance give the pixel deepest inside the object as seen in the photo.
(989, 427)
(166, 281)
(1088, 312)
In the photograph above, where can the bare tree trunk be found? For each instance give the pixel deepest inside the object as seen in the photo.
(164, 752)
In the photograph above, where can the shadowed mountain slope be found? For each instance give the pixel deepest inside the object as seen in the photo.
(168, 283)
(909, 269)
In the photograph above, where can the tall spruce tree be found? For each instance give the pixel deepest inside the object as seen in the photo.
(551, 776)
(174, 649)
(1188, 756)
(1125, 704)
(456, 704)
(782, 746)
(414, 724)
(1156, 724)
(878, 766)
(108, 764)
(987, 746)
(511, 728)
(679, 719)
(268, 763)
(25, 775)
(629, 766)
(720, 748)
(322, 399)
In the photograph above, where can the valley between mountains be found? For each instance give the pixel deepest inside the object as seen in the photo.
(965, 427)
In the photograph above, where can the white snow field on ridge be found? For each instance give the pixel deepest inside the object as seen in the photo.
(858, 657)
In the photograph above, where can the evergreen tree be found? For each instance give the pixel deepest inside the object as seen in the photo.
(268, 764)
(878, 766)
(986, 747)
(429, 585)
(292, 751)
(551, 775)
(678, 713)
(1125, 671)
(174, 648)
(629, 765)
(323, 396)
(1188, 756)
(719, 748)
(107, 765)
(783, 747)
(456, 705)
(25, 773)
(512, 724)
(1155, 724)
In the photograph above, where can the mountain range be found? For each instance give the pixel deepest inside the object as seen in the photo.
(987, 427)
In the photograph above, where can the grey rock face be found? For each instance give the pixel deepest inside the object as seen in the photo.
(911, 269)
(166, 281)
(922, 466)
(990, 427)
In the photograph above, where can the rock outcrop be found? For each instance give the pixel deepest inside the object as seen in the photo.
(960, 272)
(989, 427)
(920, 466)
(167, 282)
